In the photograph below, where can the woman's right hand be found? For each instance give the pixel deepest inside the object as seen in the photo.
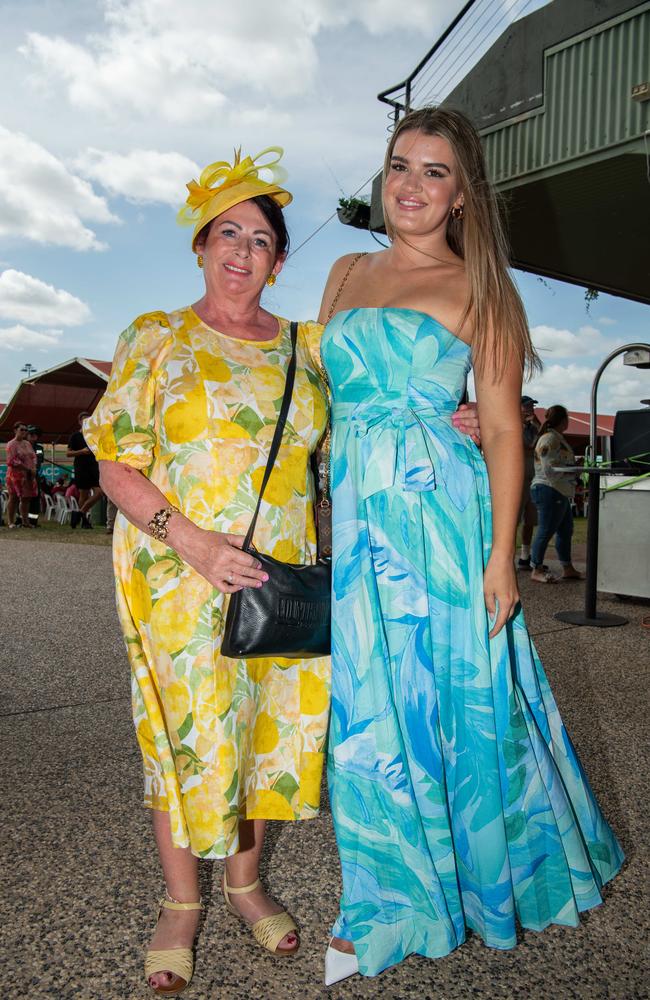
(218, 557)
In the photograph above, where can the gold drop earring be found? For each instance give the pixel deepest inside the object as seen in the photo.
(199, 260)
(271, 280)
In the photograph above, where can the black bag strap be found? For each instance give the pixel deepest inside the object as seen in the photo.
(277, 436)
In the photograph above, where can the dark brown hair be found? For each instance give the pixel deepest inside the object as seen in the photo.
(554, 416)
(273, 215)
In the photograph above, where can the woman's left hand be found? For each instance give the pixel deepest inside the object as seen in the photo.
(465, 420)
(500, 590)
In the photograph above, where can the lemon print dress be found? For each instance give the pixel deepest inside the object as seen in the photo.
(194, 410)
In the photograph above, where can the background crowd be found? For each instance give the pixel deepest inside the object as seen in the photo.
(27, 488)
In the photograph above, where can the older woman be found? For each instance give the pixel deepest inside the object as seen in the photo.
(182, 436)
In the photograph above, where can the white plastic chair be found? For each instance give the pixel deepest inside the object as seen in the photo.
(50, 506)
(62, 510)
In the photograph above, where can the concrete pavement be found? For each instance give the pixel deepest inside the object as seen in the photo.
(81, 878)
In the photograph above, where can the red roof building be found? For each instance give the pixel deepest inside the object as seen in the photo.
(577, 433)
(53, 399)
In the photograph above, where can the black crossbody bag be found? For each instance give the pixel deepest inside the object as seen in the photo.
(289, 615)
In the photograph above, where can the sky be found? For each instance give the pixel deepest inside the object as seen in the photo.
(115, 104)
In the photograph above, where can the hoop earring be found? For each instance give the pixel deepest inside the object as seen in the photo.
(199, 260)
(271, 280)
(457, 212)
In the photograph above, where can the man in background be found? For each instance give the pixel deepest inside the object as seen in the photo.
(528, 510)
(86, 476)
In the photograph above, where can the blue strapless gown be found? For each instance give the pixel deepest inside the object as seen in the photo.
(458, 799)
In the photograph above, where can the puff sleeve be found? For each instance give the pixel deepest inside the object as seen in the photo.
(312, 333)
(123, 425)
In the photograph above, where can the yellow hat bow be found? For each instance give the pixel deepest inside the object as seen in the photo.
(222, 185)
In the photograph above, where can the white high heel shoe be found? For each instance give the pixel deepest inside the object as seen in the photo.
(339, 965)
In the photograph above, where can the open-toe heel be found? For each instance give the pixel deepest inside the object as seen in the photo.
(178, 961)
(267, 931)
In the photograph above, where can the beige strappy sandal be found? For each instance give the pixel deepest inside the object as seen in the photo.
(267, 931)
(178, 961)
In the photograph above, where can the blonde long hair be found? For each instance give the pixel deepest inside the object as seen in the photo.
(479, 239)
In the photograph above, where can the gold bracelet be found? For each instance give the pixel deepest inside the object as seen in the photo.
(158, 523)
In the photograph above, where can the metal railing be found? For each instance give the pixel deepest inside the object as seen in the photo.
(491, 18)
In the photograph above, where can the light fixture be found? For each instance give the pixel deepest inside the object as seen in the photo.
(637, 357)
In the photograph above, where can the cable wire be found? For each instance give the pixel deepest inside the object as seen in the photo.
(462, 39)
(490, 33)
(447, 52)
(330, 217)
(484, 43)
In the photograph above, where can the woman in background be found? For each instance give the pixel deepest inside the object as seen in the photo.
(552, 492)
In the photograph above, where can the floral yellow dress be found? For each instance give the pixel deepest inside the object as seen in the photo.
(194, 410)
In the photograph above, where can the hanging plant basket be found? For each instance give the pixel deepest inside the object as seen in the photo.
(354, 212)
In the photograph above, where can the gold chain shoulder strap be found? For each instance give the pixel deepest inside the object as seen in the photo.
(357, 257)
(324, 503)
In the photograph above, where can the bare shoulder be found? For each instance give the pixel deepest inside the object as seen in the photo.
(337, 276)
(341, 266)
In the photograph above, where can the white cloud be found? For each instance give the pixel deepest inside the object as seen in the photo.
(29, 300)
(607, 321)
(143, 175)
(187, 62)
(40, 199)
(18, 337)
(553, 342)
(621, 387)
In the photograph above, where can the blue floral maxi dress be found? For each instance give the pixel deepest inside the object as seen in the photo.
(458, 799)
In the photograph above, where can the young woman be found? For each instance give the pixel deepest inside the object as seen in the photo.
(457, 797)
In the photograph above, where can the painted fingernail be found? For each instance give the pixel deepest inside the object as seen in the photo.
(265, 577)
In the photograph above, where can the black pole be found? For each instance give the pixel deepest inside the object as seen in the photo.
(590, 615)
(593, 519)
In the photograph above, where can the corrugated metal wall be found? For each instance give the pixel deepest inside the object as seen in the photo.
(587, 104)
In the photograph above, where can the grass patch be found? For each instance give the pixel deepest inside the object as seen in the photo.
(52, 531)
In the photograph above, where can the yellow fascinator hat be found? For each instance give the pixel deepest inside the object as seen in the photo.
(222, 185)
